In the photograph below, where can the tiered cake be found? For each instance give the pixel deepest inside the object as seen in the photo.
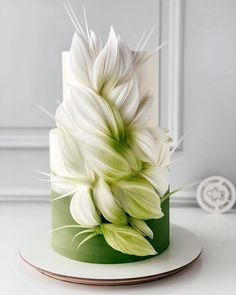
(109, 159)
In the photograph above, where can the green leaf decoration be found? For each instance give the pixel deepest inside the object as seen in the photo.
(127, 240)
(138, 198)
(141, 226)
(107, 204)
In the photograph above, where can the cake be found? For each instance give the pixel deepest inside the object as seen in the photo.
(109, 158)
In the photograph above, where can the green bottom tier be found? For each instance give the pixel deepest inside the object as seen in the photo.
(96, 250)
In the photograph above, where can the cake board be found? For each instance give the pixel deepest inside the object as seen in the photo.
(184, 249)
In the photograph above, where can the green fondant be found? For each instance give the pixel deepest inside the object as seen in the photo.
(96, 250)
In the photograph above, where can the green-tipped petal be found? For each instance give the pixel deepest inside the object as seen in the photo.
(126, 98)
(110, 160)
(127, 240)
(107, 204)
(141, 226)
(138, 198)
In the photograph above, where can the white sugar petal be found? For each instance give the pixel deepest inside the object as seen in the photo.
(158, 177)
(107, 204)
(89, 112)
(95, 45)
(144, 145)
(82, 208)
(104, 67)
(80, 60)
(112, 66)
(163, 154)
(142, 116)
(126, 97)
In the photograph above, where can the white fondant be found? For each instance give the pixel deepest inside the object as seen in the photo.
(56, 159)
(148, 79)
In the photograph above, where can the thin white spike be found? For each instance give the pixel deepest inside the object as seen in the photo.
(191, 184)
(82, 232)
(177, 144)
(76, 19)
(144, 58)
(160, 46)
(44, 180)
(64, 196)
(45, 111)
(173, 161)
(42, 173)
(140, 41)
(181, 188)
(66, 226)
(139, 44)
(147, 38)
(86, 21)
(72, 19)
(86, 239)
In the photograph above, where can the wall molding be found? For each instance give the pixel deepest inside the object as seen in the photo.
(24, 195)
(24, 142)
(171, 68)
(24, 138)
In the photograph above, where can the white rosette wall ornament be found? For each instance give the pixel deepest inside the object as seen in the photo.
(117, 166)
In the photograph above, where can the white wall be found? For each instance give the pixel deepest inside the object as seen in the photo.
(33, 34)
(209, 109)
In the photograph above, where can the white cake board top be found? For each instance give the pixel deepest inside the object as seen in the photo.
(183, 250)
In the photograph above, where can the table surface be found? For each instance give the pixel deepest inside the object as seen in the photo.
(214, 272)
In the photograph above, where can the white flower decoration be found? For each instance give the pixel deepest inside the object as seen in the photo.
(118, 168)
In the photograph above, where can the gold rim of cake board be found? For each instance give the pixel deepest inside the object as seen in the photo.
(110, 282)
